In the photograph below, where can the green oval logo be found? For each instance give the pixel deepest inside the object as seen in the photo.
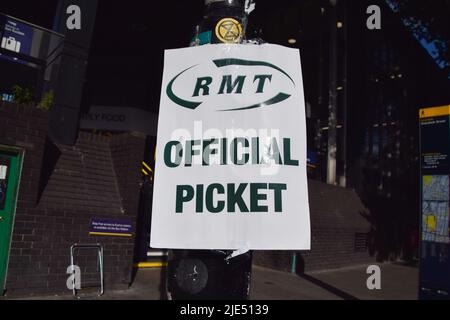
(231, 81)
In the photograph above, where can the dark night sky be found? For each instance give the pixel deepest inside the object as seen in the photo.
(150, 27)
(38, 12)
(125, 64)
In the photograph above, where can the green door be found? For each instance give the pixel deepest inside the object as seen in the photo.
(9, 182)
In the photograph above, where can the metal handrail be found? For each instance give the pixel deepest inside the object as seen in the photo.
(99, 249)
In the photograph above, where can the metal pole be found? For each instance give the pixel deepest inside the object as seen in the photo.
(192, 273)
(343, 176)
(332, 103)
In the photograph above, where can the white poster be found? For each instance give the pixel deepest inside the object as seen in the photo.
(231, 150)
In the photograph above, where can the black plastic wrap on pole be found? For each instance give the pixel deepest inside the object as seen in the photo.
(208, 275)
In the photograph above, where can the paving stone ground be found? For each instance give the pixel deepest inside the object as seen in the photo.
(398, 282)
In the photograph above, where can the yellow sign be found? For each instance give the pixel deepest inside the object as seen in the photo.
(434, 112)
(431, 223)
(229, 30)
(427, 180)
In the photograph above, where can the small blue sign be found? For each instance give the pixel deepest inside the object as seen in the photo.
(111, 227)
(17, 37)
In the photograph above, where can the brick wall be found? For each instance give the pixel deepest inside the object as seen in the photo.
(25, 127)
(62, 188)
(127, 153)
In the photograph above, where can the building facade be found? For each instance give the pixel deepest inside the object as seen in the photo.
(371, 82)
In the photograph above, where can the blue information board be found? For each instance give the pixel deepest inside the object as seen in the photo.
(435, 199)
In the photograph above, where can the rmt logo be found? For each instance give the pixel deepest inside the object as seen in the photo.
(231, 84)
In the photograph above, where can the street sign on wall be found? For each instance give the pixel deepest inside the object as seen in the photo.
(23, 38)
(231, 161)
(111, 227)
